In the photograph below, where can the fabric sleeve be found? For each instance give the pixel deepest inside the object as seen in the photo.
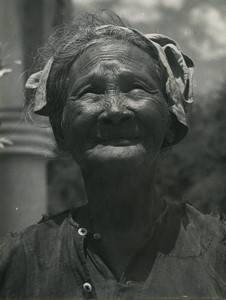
(12, 268)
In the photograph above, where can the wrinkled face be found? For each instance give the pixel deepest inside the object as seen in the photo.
(116, 111)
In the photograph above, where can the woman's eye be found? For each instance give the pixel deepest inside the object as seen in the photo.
(141, 88)
(87, 90)
(133, 87)
(92, 89)
(137, 87)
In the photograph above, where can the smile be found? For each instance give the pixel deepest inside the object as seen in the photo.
(119, 141)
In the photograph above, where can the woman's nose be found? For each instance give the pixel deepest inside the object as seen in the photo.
(115, 116)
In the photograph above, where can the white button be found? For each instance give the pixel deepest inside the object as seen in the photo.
(96, 236)
(82, 231)
(87, 287)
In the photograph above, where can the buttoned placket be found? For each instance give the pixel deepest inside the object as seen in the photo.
(116, 289)
(80, 234)
(125, 288)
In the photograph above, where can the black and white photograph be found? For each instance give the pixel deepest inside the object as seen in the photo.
(112, 149)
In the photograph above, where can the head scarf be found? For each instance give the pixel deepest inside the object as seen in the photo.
(178, 66)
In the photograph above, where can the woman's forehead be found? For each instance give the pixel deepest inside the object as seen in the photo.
(112, 58)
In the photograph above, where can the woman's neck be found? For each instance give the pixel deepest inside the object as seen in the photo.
(122, 207)
(121, 199)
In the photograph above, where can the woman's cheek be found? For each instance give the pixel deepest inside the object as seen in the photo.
(79, 112)
(81, 123)
(150, 108)
(153, 117)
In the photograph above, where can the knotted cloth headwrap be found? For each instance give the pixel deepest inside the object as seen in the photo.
(178, 67)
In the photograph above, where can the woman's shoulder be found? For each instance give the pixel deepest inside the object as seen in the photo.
(22, 250)
(211, 226)
(199, 234)
(14, 243)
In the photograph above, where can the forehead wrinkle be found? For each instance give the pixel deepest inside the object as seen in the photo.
(107, 51)
(102, 62)
(109, 60)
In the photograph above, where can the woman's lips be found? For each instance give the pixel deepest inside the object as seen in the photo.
(122, 141)
(118, 136)
(118, 139)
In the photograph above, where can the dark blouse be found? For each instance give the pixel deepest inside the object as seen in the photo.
(57, 259)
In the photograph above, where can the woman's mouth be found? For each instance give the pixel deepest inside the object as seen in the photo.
(118, 136)
(120, 141)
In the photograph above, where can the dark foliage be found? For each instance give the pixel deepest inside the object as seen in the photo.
(195, 169)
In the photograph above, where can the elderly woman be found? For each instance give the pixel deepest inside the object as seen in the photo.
(116, 98)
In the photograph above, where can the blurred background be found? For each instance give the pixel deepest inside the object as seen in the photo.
(35, 179)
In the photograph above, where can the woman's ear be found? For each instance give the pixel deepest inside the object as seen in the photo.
(169, 136)
(168, 139)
